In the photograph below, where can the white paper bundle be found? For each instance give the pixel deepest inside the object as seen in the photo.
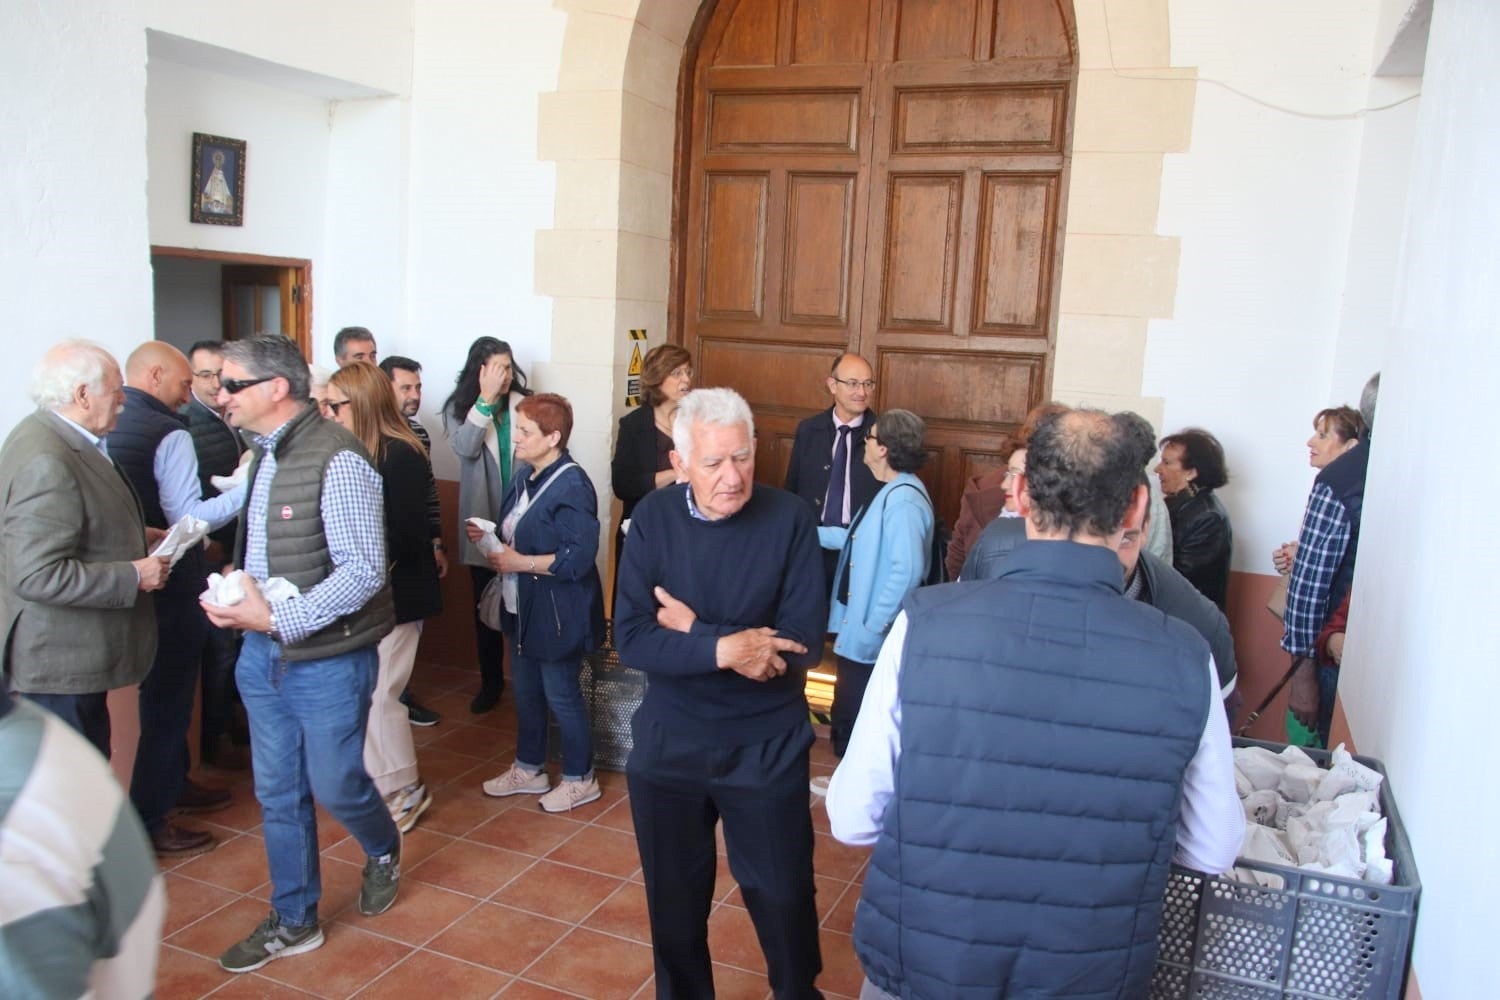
(182, 537)
(227, 591)
(236, 478)
(488, 542)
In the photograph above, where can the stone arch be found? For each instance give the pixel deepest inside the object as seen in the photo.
(610, 127)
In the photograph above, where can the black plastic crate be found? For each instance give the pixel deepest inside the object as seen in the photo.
(1317, 936)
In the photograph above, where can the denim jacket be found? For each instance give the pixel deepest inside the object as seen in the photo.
(887, 553)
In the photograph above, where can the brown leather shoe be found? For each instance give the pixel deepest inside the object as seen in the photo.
(173, 841)
(196, 798)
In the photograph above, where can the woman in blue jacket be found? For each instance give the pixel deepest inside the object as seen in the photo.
(883, 557)
(554, 606)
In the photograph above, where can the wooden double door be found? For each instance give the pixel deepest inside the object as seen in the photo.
(880, 176)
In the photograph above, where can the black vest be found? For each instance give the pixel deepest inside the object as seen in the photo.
(219, 449)
(296, 547)
(142, 426)
(1046, 724)
(1345, 477)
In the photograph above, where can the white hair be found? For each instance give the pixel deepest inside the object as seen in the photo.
(65, 367)
(1367, 400)
(317, 376)
(720, 407)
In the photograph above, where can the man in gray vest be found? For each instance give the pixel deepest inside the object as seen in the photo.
(315, 518)
(1059, 746)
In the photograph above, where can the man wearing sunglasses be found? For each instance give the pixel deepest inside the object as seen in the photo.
(315, 518)
(825, 468)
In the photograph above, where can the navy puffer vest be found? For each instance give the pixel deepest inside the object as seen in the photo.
(1046, 724)
(142, 426)
(1345, 477)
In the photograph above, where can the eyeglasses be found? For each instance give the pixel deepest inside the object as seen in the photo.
(854, 383)
(335, 404)
(1013, 473)
(871, 436)
(207, 375)
(235, 386)
(681, 371)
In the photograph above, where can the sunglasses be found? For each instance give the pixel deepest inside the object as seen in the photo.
(335, 406)
(235, 386)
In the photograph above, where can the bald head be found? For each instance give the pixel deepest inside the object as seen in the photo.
(851, 381)
(161, 371)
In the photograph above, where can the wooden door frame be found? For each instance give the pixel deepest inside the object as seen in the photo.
(301, 335)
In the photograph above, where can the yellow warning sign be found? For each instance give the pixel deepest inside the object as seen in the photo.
(633, 373)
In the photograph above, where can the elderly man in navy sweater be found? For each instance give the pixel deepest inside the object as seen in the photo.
(721, 601)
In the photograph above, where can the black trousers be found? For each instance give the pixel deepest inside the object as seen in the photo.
(166, 701)
(848, 693)
(491, 647)
(88, 714)
(221, 650)
(679, 790)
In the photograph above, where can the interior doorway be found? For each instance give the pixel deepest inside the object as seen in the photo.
(210, 295)
(881, 176)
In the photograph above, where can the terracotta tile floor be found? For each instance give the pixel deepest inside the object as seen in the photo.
(497, 899)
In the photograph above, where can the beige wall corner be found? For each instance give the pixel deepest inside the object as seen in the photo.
(1123, 33)
(1114, 193)
(1099, 353)
(1132, 276)
(1120, 113)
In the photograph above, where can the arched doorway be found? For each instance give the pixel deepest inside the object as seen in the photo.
(882, 176)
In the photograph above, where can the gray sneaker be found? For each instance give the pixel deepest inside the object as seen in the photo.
(382, 877)
(268, 942)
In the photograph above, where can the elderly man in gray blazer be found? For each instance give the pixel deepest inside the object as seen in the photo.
(73, 561)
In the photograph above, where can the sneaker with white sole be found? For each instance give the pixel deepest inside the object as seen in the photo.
(268, 942)
(408, 804)
(570, 795)
(517, 782)
(380, 882)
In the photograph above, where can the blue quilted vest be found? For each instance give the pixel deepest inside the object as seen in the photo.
(1046, 723)
(1345, 477)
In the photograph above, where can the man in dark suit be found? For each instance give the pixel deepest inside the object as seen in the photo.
(835, 440)
(73, 561)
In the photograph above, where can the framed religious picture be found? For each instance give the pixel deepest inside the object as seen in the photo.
(218, 193)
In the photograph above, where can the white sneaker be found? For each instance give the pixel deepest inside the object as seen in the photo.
(408, 804)
(570, 795)
(517, 782)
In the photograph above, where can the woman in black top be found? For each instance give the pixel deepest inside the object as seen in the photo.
(643, 448)
(1192, 466)
(362, 401)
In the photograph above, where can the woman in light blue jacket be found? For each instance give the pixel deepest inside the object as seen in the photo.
(883, 557)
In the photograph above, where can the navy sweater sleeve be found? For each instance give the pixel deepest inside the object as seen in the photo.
(643, 643)
(760, 568)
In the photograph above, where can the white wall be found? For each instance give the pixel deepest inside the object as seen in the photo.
(367, 42)
(478, 193)
(1420, 684)
(1265, 203)
(361, 278)
(73, 259)
(286, 160)
(189, 302)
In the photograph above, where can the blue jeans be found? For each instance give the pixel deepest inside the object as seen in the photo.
(538, 685)
(307, 739)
